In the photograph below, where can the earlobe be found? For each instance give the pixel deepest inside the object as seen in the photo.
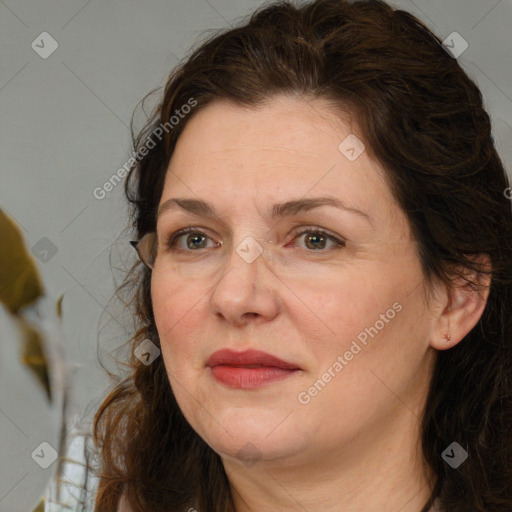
(465, 306)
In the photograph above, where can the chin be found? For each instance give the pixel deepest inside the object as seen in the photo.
(249, 437)
(249, 450)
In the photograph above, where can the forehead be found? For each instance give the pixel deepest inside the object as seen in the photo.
(281, 124)
(289, 146)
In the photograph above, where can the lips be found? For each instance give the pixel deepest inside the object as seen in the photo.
(248, 370)
(248, 358)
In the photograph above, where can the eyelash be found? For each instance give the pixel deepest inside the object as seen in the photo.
(170, 242)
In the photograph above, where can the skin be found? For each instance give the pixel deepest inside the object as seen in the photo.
(355, 445)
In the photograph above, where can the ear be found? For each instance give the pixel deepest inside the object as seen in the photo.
(462, 306)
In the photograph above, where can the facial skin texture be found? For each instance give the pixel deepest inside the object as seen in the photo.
(355, 445)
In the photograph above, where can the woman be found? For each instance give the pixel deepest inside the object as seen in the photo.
(324, 300)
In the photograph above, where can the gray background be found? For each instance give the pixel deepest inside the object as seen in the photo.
(64, 132)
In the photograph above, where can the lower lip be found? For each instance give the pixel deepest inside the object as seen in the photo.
(249, 378)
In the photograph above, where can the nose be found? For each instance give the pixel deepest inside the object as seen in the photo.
(248, 288)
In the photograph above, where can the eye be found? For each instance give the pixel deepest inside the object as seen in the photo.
(317, 239)
(194, 239)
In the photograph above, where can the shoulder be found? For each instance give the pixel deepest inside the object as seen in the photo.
(123, 505)
(436, 507)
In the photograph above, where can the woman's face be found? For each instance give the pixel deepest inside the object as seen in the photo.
(348, 312)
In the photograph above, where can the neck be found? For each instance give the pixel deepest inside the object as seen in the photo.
(381, 469)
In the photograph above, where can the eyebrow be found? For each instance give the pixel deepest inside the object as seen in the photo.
(286, 209)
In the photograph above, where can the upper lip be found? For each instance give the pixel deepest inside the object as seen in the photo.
(248, 358)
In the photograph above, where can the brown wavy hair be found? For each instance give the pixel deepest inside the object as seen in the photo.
(423, 119)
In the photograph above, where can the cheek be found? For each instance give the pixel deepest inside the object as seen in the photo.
(180, 321)
(331, 315)
(381, 339)
(164, 304)
(366, 316)
(171, 302)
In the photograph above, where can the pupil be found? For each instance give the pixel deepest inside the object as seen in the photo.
(194, 238)
(317, 237)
